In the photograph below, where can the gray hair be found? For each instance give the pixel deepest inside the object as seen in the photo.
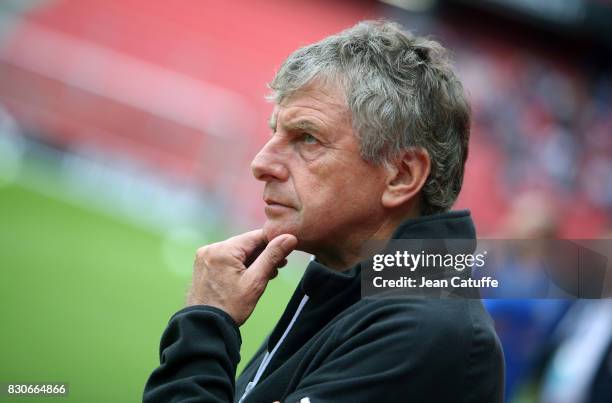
(402, 93)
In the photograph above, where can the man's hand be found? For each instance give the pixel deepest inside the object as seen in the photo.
(224, 277)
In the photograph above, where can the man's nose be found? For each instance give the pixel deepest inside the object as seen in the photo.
(269, 164)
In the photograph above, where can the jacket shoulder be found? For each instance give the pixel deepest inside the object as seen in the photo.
(440, 319)
(445, 339)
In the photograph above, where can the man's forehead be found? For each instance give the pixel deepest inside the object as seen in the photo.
(319, 90)
(273, 117)
(321, 102)
(298, 119)
(299, 124)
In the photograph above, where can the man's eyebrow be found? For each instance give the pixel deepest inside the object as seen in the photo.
(303, 125)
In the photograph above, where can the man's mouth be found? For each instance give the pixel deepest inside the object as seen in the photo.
(274, 203)
(276, 206)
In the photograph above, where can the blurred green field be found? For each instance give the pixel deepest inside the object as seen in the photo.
(86, 296)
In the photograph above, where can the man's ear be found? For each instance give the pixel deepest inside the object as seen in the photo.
(406, 176)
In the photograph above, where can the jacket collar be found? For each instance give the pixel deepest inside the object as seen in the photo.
(320, 282)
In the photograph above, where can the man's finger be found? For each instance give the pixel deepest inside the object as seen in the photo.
(248, 242)
(272, 257)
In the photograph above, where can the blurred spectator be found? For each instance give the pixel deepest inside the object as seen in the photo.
(580, 369)
(524, 324)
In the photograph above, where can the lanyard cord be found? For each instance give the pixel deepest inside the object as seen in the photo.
(268, 357)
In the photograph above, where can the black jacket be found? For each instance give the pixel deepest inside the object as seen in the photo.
(341, 348)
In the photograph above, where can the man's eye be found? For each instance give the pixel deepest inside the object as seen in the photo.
(309, 138)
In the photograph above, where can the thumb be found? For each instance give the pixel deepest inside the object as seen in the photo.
(272, 257)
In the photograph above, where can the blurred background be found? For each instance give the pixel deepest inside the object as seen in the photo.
(126, 133)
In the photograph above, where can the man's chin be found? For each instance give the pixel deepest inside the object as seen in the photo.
(273, 228)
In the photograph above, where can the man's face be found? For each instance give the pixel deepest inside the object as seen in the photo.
(317, 186)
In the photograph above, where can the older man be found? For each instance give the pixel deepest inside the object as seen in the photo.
(369, 139)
